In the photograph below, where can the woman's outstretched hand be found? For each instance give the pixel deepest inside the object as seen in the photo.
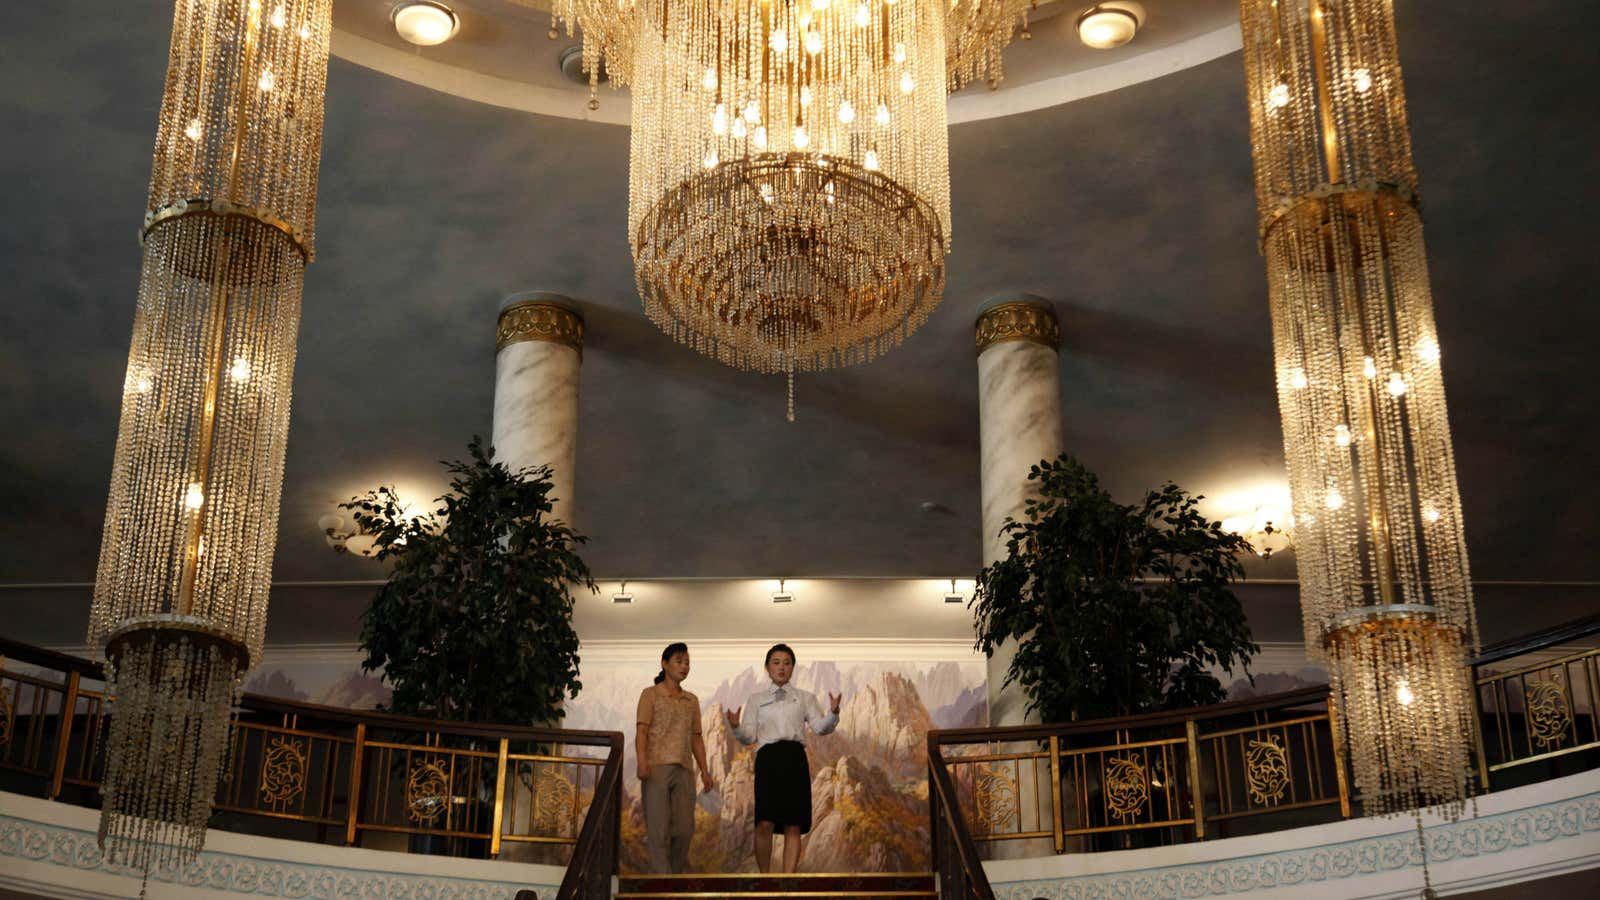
(733, 718)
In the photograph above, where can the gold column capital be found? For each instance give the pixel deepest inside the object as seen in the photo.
(542, 319)
(1017, 320)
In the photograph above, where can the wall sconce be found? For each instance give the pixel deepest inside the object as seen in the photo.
(1269, 529)
(345, 537)
(780, 595)
(622, 595)
(955, 596)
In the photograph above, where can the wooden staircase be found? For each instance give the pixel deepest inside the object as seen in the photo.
(863, 886)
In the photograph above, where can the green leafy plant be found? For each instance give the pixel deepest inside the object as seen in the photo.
(1116, 610)
(475, 620)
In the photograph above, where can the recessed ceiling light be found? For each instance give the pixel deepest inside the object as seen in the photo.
(1104, 26)
(425, 23)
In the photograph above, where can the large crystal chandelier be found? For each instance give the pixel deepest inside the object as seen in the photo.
(1383, 563)
(789, 198)
(180, 600)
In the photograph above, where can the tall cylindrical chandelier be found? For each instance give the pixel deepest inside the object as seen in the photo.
(1385, 588)
(789, 197)
(180, 598)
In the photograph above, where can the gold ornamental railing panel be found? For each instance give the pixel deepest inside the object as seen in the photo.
(1537, 711)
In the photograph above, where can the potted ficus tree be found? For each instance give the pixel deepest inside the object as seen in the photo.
(1115, 610)
(474, 623)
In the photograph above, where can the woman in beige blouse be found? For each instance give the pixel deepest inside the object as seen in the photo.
(667, 739)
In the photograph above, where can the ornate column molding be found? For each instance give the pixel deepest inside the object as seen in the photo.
(547, 318)
(1018, 320)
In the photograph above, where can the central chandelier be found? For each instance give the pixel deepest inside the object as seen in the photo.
(789, 188)
(1382, 555)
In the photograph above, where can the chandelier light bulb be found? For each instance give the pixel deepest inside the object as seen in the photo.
(779, 42)
(1361, 80)
(805, 95)
(760, 137)
(305, 32)
(193, 131)
(195, 497)
(425, 23)
(1397, 385)
(1403, 693)
(1278, 96)
(1297, 379)
(882, 116)
(907, 83)
(240, 370)
(813, 41)
(1105, 26)
(1431, 513)
(739, 130)
(801, 139)
(1428, 350)
(752, 112)
(1335, 499)
(1369, 368)
(710, 81)
(267, 80)
(767, 193)
(719, 120)
(711, 159)
(278, 19)
(1341, 434)
(819, 4)
(847, 113)
(900, 52)
(870, 161)
(863, 16)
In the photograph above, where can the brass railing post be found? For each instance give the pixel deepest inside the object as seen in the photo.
(1338, 758)
(69, 710)
(1477, 729)
(1197, 796)
(1056, 811)
(499, 798)
(355, 784)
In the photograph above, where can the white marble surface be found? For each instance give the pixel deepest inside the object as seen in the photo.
(536, 412)
(1019, 416)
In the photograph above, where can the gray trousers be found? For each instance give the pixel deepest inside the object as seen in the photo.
(668, 796)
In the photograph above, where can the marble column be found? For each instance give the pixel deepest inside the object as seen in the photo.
(538, 349)
(1019, 423)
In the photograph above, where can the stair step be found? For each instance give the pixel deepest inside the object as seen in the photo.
(862, 886)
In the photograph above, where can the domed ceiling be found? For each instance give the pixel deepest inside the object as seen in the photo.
(453, 176)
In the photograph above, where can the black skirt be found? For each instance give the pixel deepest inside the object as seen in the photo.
(783, 786)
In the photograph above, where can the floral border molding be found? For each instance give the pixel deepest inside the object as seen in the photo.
(1511, 830)
(32, 841)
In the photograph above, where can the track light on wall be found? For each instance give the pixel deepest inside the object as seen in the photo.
(780, 595)
(622, 595)
(955, 595)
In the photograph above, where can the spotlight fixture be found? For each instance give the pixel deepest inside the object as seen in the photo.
(425, 22)
(1105, 26)
(954, 596)
(622, 595)
(780, 595)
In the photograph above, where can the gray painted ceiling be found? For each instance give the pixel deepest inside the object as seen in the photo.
(1132, 210)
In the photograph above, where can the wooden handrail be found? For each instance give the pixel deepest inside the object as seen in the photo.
(1554, 636)
(944, 812)
(606, 805)
(1307, 696)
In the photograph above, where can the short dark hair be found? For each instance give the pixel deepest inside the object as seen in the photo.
(779, 648)
(673, 649)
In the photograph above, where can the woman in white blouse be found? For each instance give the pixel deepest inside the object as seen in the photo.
(776, 718)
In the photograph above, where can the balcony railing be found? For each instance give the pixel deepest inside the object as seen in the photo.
(1245, 767)
(317, 773)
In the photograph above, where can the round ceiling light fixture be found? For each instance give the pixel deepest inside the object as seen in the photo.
(1104, 26)
(425, 23)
